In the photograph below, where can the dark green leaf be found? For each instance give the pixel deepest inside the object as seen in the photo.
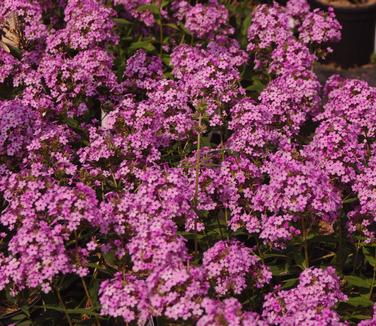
(360, 317)
(358, 281)
(361, 300)
(369, 256)
(146, 45)
(122, 21)
(289, 283)
(25, 323)
(18, 317)
(149, 7)
(245, 25)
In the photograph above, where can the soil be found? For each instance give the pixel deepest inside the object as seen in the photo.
(366, 72)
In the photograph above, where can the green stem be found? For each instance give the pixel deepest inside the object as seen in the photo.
(305, 241)
(220, 228)
(226, 221)
(83, 281)
(64, 308)
(90, 302)
(198, 157)
(160, 28)
(223, 158)
(373, 279)
(356, 255)
(340, 258)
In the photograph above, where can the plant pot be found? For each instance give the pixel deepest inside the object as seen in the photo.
(358, 34)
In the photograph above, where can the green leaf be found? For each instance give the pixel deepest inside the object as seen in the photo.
(205, 142)
(173, 26)
(349, 200)
(24, 323)
(184, 29)
(289, 283)
(93, 291)
(245, 25)
(299, 259)
(109, 258)
(257, 86)
(149, 7)
(77, 311)
(25, 310)
(358, 281)
(146, 45)
(274, 255)
(360, 317)
(122, 21)
(369, 256)
(72, 123)
(277, 270)
(361, 300)
(18, 317)
(239, 232)
(166, 59)
(165, 3)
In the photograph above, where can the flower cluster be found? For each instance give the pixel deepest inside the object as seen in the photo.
(174, 292)
(296, 190)
(276, 31)
(88, 24)
(205, 21)
(210, 76)
(310, 303)
(16, 129)
(124, 298)
(44, 216)
(227, 312)
(346, 129)
(229, 264)
(362, 219)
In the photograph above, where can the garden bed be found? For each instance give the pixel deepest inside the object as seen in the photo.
(183, 163)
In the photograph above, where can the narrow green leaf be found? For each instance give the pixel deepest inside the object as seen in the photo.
(146, 45)
(149, 7)
(18, 317)
(122, 21)
(245, 25)
(72, 123)
(93, 291)
(369, 256)
(166, 60)
(24, 323)
(173, 26)
(78, 311)
(274, 255)
(257, 86)
(350, 200)
(185, 30)
(361, 300)
(165, 3)
(358, 281)
(289, 283)
(360, 317)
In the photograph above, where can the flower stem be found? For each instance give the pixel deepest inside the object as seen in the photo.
(373, 279)
(356, 255)
(305, 242)
(64, 308)
(198, 163)
(89, 300)
(160, 28)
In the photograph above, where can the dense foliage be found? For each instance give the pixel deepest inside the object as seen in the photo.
(181, 161)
